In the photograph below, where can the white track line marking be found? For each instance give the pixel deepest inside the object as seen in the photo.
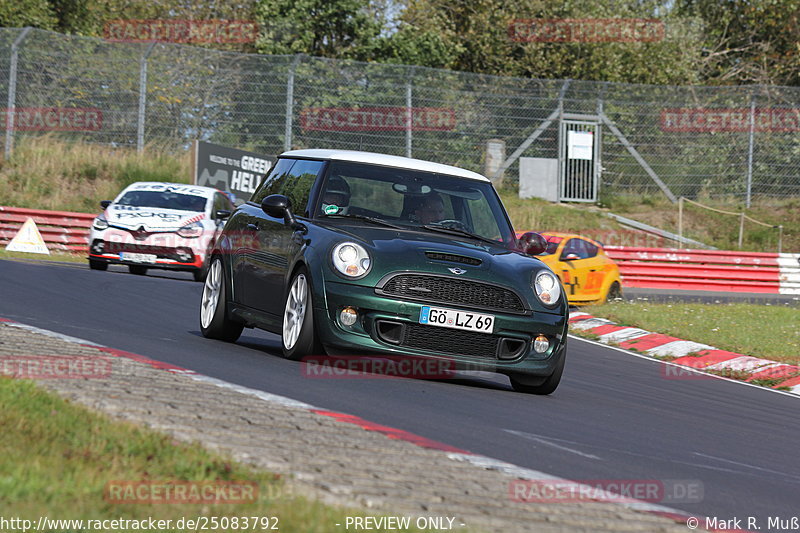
(546, 442)
(792, 394)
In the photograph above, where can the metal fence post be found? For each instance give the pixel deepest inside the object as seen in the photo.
(750, 150)
(12, 92)
(287, 132)
(142, 98)
(409, 113)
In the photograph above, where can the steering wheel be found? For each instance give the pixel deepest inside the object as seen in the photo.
(452, 223)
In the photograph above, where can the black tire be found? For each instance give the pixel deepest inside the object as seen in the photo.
(98, 265)
(614, 292)
(214, 321)
(201, 273)
(298, 336)
(539, 385)
(139, 270)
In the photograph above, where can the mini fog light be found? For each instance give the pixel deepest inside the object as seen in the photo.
(541, 344)
(348, 316)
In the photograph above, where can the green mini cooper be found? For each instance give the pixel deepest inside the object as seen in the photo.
(358, 253)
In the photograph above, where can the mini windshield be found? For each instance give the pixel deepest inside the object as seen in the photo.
(164, 200)
(415, 199)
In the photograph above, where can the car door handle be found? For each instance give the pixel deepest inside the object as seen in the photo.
(253, 227)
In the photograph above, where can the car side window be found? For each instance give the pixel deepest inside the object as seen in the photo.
(221, 202)
(296, 185)
(591, 249)
(574, 247)
(273, 180)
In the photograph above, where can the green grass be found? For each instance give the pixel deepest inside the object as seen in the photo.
(48, 173)
(58, 457)
(767, 331)
(54, 256)
(715, 229)
(540, 215)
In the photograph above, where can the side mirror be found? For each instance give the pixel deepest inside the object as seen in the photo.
(276, 205)
(222, 214)
(532, 243)
(105, 203)
(571, 257)
(279, 206)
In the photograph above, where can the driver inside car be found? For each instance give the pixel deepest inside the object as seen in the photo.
(429, 209)
(336, 198)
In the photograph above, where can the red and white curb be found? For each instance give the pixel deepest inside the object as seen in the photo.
(703, 356)
(452, 453)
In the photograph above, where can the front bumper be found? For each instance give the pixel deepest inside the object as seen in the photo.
(387, 325)
(166, 250)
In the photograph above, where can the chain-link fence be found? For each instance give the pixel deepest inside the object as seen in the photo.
(718, 142)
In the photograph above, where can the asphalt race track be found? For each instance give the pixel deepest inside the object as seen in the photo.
(615, 415)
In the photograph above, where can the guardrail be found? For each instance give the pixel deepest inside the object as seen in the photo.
(707, 270)
(61, 230)
(651, 268)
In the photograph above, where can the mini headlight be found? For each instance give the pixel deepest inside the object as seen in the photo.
(191, 231)
(546, 287)
(351, 259)
(100, 223)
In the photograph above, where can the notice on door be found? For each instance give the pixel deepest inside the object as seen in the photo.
(580, 145)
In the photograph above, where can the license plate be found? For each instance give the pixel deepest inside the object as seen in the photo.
(452, 318)
(137, 258)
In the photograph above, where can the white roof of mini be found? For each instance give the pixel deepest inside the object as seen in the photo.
(186, 187)
(386, 160)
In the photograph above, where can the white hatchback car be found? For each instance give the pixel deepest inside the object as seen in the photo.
(159, 225)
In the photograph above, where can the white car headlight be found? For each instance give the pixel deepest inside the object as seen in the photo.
(546, 287)
(351, 259)
(191, 231)
(100, 223)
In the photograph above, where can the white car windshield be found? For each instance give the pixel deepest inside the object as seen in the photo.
(164, 200)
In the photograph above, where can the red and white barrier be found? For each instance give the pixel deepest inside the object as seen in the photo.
(652, 268)
(708, 270)
(61, 230)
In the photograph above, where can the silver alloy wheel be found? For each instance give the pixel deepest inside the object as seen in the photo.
(295, 311)
(211, 292)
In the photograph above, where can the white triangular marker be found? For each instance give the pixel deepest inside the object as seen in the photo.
(28, 239)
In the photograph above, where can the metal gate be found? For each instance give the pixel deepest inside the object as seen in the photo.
(579, 158)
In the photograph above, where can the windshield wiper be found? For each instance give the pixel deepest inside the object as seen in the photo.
(368, 219)
(458, 231)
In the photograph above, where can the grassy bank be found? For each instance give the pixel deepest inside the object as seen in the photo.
(59, 457)
(716, 229)
(767, 331)
(45, 173)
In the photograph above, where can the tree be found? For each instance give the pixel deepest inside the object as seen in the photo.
(475, 35)
(327, 28)
(21, 13)
(748, 42)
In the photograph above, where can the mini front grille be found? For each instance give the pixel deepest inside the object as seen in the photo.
(445, 290)
(450, 341)
(453, 258)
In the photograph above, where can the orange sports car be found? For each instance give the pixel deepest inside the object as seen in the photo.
(586, 272)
